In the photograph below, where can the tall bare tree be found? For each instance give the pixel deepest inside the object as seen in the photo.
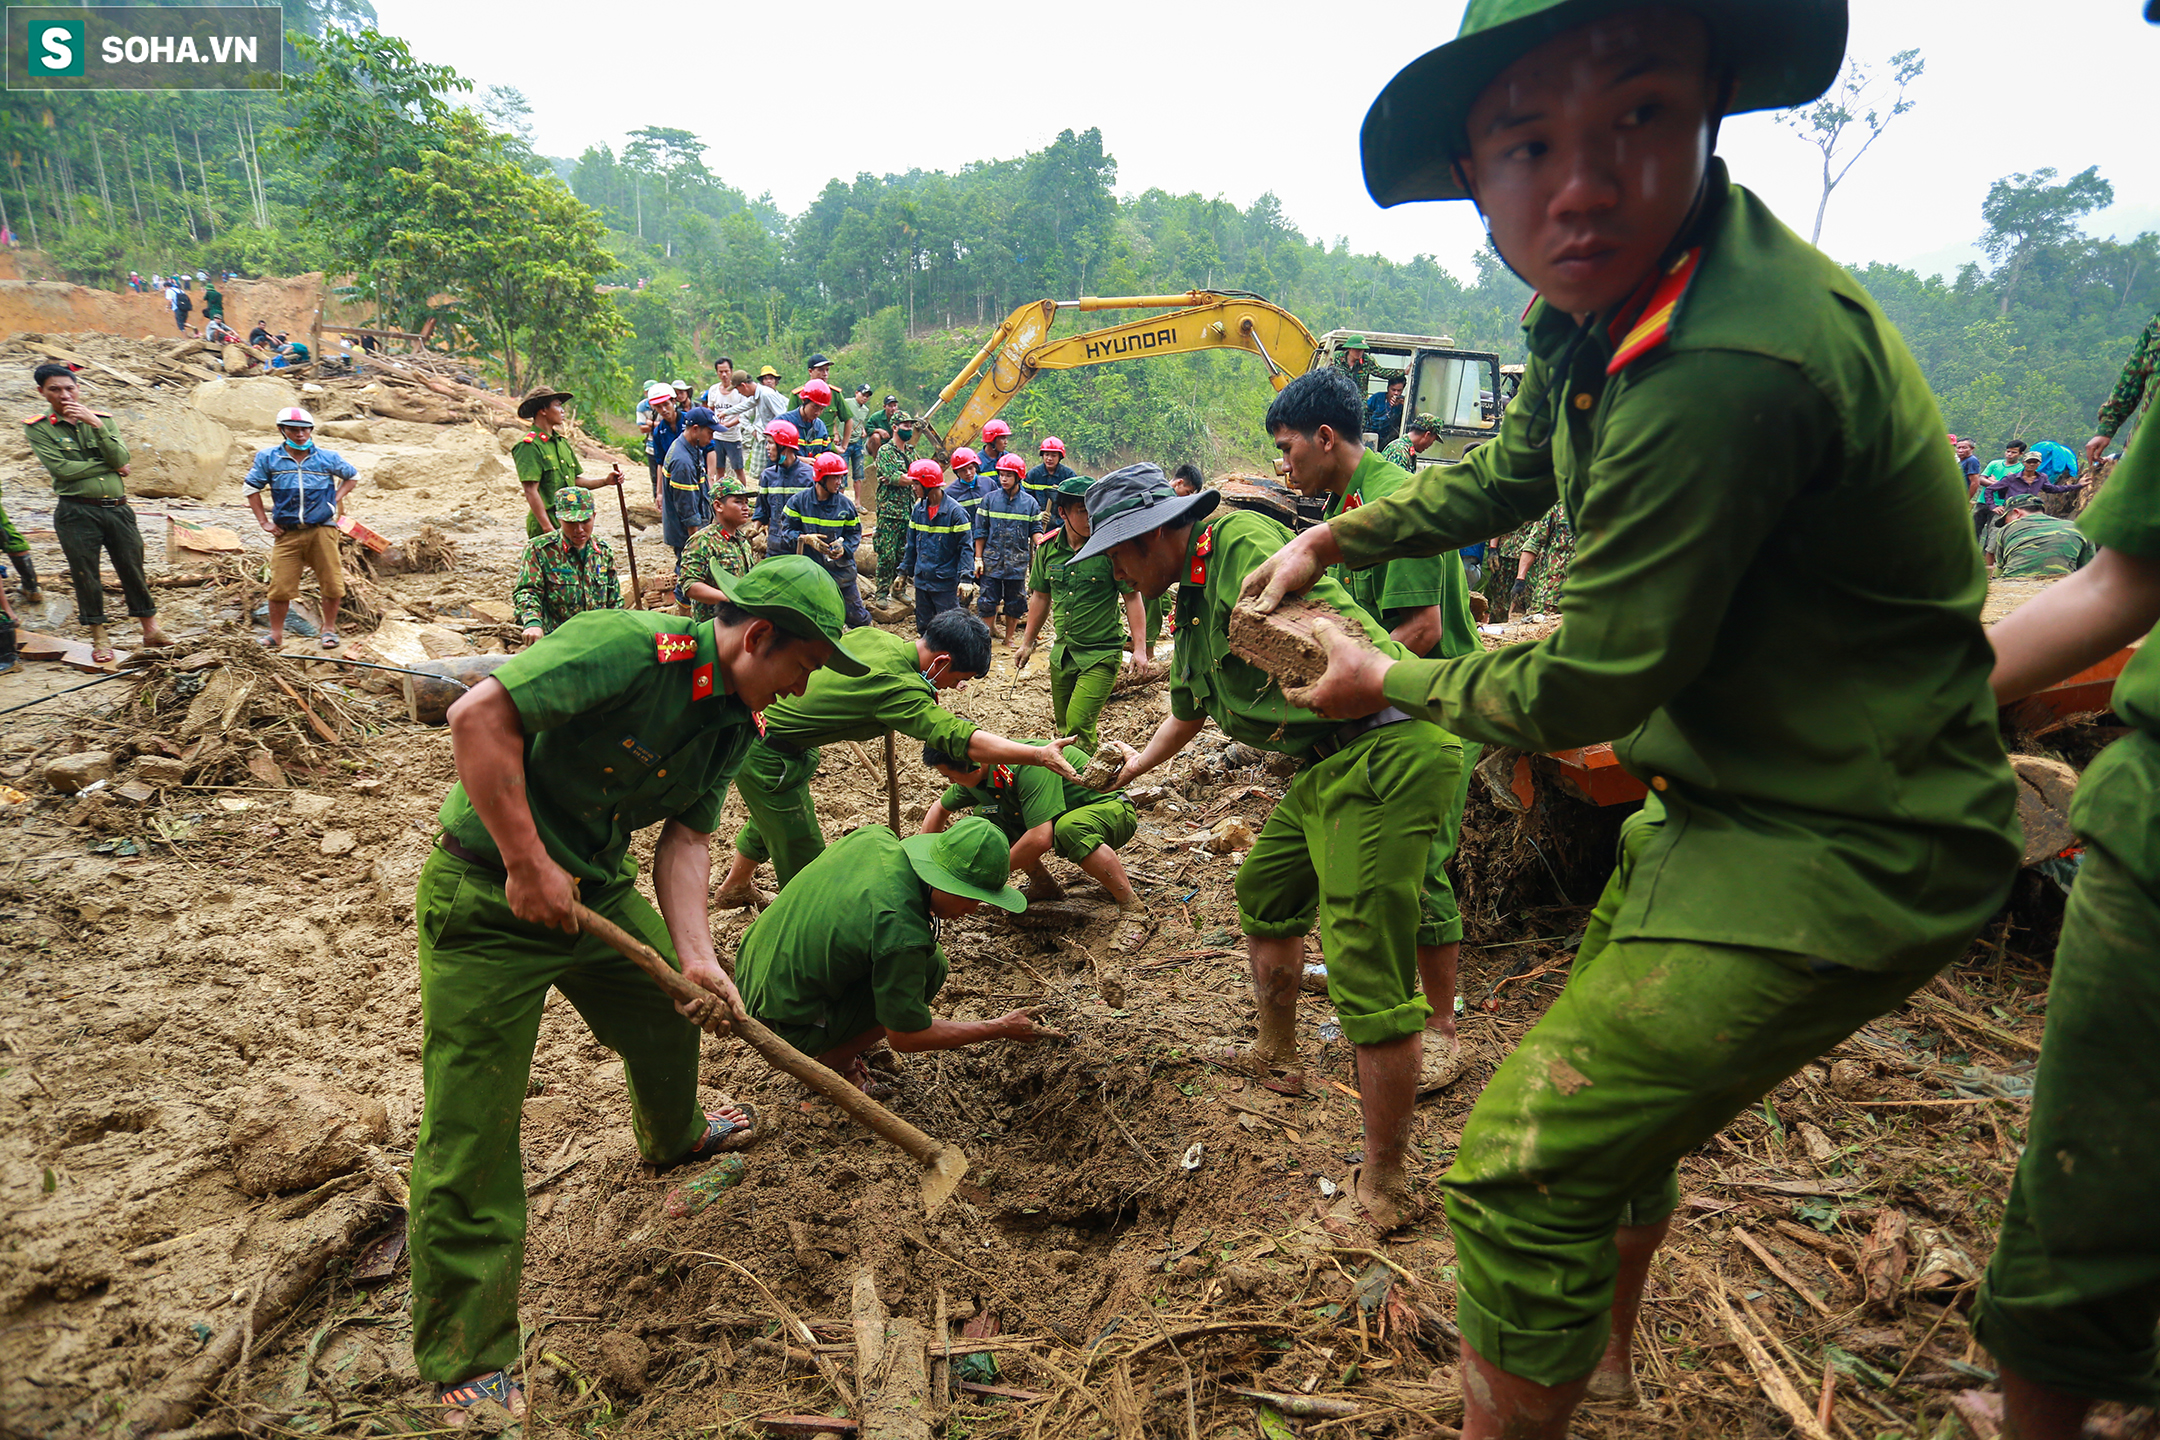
(1857, 103)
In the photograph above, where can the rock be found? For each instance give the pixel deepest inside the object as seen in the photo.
(2044, 790)
(1147, 797)
(1104, 769)
(73, 773)
(247, 406)
(338, 842)
(134, 792)
(1853, 1080)
(866, 559)
(1282, 644)
(357, 430)
(181, 453)
(310, 806)
(1231, 834)
(159, 770)
(1819, 1147)
(623, 1362)
(263, 769)
(293, 1134)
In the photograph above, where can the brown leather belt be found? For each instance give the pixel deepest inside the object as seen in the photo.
(456, 851)
(109, 502)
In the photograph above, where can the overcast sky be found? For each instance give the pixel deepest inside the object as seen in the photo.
(1238, 99)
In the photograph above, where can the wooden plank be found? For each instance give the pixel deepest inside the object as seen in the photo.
(69, 357)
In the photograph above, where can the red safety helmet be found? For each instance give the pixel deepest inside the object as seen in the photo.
(783, 432)
(816, 390)
(965, 456)
(828, 464)
(1051, 446)
(1012, 463)
(927, 473)
(996, 430)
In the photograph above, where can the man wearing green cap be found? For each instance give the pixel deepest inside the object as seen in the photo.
(618, 720)
(1348, 843)
(1040, 812)
(721, 548)
(1417, 438)
(565, 571)
(1352, 358)
(895, 498)
(1830, 817)
(1086, 600)
(897, 690)
(848, 955)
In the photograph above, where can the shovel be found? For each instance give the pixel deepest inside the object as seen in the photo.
(943, 1165)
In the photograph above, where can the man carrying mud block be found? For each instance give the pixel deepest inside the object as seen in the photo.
(1085, 600)
(1348, 842)
(1830, 817)
(897, 691)
(1040, 812)
(619, 720)
(849, 954)
(1423, 602)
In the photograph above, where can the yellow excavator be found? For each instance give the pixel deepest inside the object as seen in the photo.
(1457, 386)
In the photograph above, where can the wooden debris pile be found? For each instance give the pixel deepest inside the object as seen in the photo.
(235, 713)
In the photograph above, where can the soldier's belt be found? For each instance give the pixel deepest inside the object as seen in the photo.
(1355, 730)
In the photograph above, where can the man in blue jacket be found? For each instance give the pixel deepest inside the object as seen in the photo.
(940, 545)
(307, 492)
(823, 523)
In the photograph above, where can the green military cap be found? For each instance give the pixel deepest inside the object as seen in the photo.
(573, 502)
(1425, 423)
(1353, 342)
(798, 595)
(1073, 489)
(1780, 52)
(727, 485)
(971, 859)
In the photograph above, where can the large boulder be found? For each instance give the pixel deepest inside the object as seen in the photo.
(183, 453)
(293, 1134)
(248, 405)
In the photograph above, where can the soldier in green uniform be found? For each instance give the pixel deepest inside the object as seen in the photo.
(1417, 438)
(546, 460)
(1775, 893)
(1352, 358)
(1423, 602)
(721, 548)
(1349, 840)
(1040, 812)
(88, 461)
(895, 498)
(1085, 599)
(565, 571)
(1501, 567)
(2031, 544)
(18, 555)
(2133, 390)
(849, 954)
(2073, 1291)
(1546, 550)
(619, 720)
(897, 690)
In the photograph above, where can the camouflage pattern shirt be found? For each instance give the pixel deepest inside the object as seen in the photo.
(712, 551)
(555, 582)
(1552, 541)
(2133, 388)
(2039, 545)
(1400, 455)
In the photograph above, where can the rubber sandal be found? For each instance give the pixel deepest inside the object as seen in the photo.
(496, 1385)
(1440, 1066)
(268, 643)
(721, 1136)
(330, 640)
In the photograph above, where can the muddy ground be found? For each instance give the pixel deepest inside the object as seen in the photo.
(1137, 1231)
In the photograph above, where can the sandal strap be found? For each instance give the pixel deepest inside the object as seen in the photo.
(496, 1385)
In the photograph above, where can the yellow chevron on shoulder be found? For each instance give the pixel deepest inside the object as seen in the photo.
(1656, 322)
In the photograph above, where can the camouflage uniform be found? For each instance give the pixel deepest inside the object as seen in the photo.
(2032, 546)
(1400, 455)
(2133, 389)
(1500, 567)
(1552, 540)
(555, 583)
(1368, 371)
(895, 498)
(712, 551)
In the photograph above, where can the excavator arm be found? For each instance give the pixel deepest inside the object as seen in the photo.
(1021, 347)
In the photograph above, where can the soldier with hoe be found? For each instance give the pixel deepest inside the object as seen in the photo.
(565, 571)
(546, 461)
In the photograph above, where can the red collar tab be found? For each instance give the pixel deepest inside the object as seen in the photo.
(671, 648)
(1200, 552)
(1352, 500)
(1001, 776)
(701, 682)
(757, 718)
(1658, 310)
(1534, 298)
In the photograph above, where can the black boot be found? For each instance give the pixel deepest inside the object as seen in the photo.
(22, 562)
(7, 644)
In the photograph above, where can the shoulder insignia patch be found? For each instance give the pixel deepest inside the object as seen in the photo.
(1657, 315)
(701, 682)
(1001, 776)
(1200, 552)
(671, 648)
(35, 418)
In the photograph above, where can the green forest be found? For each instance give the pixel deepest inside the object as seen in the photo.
(637, 262)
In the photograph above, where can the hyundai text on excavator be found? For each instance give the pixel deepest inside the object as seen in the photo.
(1458, 387)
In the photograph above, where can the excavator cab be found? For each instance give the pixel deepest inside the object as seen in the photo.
(1459, 388)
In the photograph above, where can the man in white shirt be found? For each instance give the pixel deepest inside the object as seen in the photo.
(771, 405)
(738, 404)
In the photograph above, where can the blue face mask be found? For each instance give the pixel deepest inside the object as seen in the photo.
(303, 446)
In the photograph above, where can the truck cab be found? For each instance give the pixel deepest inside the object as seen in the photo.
(1459, 388)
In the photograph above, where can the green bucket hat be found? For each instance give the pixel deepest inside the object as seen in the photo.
(971, 859)
(798, 595)
(573, 502)
(1073, 491)
(1782, 53)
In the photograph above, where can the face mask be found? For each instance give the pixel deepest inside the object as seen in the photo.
(303, 446)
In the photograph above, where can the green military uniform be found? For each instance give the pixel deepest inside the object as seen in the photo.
(2032, 546)
(627, 723)
(548, 461)
(1399, 454)
(895, 498)
(1779, 890)
(775, 779)
(17, 551)
(92, 513)
(555, 582)
(1500, 562)
(213, 303)
(850, 943)
(1087, 611)
(712, 551)
(1388, 592)
(1017, 798)
(2073, 1291)
(1350, 839)
(2133, 388)
(1551, 541)
(1355, 345)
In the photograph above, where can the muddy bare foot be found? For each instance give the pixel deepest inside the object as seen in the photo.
(1386, 1202)
(1245, 1059)
(1616, 1384)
